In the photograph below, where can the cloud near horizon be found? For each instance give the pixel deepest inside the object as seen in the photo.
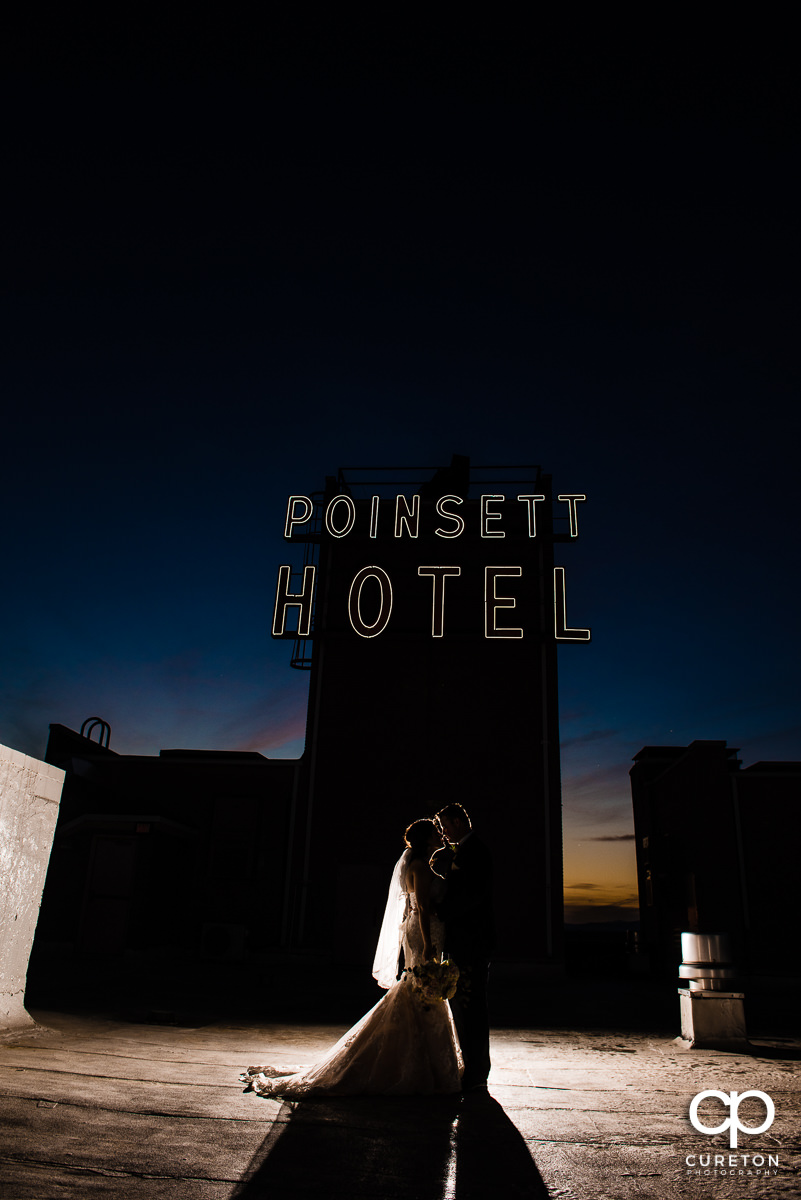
(594, 735)
(597, 797)
(594, 894)
(595, 914)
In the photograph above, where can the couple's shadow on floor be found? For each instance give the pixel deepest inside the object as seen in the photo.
(410, 1147)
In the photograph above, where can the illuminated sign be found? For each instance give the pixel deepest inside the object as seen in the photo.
(492, 602)
(438, 575)
(302, 600)
(369, 604)
(384, 604)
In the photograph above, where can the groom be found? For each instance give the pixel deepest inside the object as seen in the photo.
(469, 928)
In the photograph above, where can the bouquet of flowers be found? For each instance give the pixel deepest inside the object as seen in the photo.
(434, 980)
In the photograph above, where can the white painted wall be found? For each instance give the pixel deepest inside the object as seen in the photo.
(30, 793)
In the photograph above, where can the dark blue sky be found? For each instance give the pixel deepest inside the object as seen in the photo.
(236, 263)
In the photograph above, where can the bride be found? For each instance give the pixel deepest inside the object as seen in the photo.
(405, 1044)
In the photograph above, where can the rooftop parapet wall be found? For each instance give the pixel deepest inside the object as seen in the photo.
(30, 794)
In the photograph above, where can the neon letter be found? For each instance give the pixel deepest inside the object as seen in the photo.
(451, 516)
(492, 602)
(355, 602)
(284, 599)
(487, 516)
(561, 630)
(532, 515)
(410, 518)
(374, 516)
(438, 599)
(349, 521)
(291, 518)
(571, 499)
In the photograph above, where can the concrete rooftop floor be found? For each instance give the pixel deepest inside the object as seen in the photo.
(98, 1106)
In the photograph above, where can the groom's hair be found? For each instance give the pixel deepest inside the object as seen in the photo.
(455, 812)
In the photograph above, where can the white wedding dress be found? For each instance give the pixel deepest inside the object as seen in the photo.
(402, 1046)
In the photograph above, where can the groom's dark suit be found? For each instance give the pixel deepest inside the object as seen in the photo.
(469, 934)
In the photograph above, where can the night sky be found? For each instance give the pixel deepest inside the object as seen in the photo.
(239, 259)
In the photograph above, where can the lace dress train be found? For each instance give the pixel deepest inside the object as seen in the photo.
(402, 1046)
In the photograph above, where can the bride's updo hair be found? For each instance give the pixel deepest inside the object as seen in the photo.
(418, 835)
